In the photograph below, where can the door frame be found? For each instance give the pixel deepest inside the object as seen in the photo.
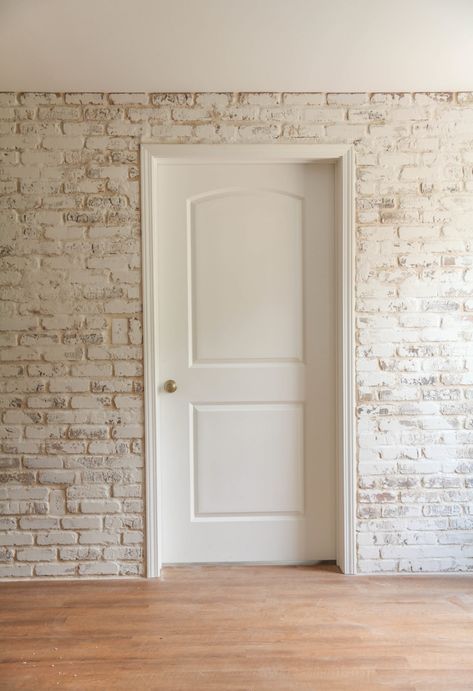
(153, 158)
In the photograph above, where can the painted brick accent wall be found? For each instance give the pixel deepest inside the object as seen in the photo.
(71, 403)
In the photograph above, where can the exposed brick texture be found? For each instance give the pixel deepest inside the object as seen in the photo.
(71, 405)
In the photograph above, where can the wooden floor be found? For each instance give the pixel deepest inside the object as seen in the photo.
(246, 628)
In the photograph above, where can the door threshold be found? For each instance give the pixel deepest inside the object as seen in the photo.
(317, 562)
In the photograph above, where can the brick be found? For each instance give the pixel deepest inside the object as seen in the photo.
(6, 554)
(129, 99)
(43, 462)
(135, 331)
(98, 569)
(134, 491)
(63, 143)
(87, 491)
(18, 323)
(63, 353)
(36, 554)
(59, 112)
(347, 132)
(38, 522)
(80, 553)
(56, 537)
(15, 571)
(130, 569)
(173, 99)
(71, 384)
(85, 98)
(127, 431)
(128, 369)
(128, 402)
(96, 537)
(16, 539)
(125, 552)
(90, 402)
(8, 462)
(353, 99)
(88, 432)
(115, 385)
(105, 506)
(81, 522)
(133, 537)
(91, 369)
(66, 447)
(15, 477)
(133, 505)
(28, 493)
(55, 569)
(56, 477)
(119, 331)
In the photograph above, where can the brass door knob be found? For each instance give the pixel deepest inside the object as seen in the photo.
(170, 386)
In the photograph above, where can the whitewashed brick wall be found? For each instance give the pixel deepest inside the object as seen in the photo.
(71, 404)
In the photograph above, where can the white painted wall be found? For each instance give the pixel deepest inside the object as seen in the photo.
(254, 45)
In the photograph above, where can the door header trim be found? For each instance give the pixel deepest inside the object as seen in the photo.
(243, 153)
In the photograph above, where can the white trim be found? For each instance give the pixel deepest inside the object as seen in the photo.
(346, 543)
(153, 156)
(150, 330)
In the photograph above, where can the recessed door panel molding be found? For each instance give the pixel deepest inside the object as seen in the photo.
(247, 460)
(244, 244)
(248, 266)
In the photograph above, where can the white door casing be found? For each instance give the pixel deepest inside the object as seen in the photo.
(271, 338)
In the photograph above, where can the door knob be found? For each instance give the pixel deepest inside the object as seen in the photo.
(170, 386)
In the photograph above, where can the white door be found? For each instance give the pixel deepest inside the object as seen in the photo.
(246, 306)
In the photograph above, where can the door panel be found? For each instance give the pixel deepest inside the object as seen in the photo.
(246, 285)
(248, 459)
(247, 330)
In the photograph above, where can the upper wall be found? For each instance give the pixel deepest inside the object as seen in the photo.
(70, 340)
(248, 45)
